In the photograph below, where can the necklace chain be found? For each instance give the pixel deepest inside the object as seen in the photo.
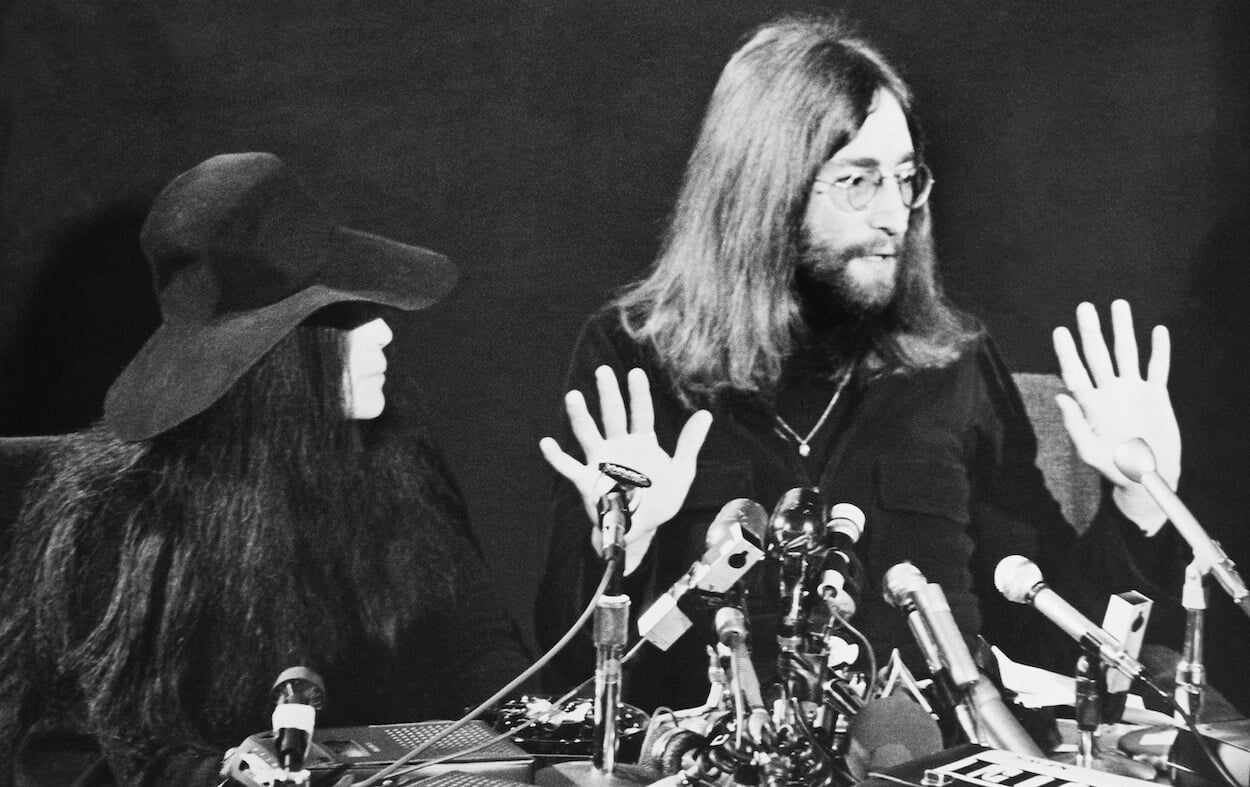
(804, 442)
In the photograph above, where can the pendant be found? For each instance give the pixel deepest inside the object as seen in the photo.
(804, 449)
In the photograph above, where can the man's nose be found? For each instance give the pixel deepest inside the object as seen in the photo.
(887, 211)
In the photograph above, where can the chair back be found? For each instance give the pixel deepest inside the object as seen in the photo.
(1075, 485)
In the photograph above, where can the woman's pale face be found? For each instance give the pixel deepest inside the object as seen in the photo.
(364, 374)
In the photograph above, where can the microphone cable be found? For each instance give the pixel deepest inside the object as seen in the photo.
(1191, 723)
(1203, 741)
(503, 736)
(570, 694)
(873, 677)
(609, 572)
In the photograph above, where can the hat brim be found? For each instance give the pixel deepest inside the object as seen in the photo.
(184, 368)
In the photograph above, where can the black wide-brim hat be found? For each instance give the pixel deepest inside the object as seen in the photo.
(240, 255)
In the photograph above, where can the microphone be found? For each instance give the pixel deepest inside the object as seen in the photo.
(731, 631)
(845, 526)
(907, 589)
(971, 696)
(1020, 580)
(618, 483)
(838, 584)
(1135, 459)
(734, 543)
(1002, 730)
(298, 694)
(798, 519)
(797, 529)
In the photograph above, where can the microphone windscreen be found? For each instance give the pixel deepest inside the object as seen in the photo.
(1135, 459)
(900, 581)
(890, 731)
(1015, 577)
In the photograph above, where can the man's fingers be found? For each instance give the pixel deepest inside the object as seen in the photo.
(611, 405)
(1076, 425)
(1071, 369)
(563, 464)
(1125, 338)
(1085, 441)
(642, 416)
(691, 439)
(1160, 356)
(584, 427)
(1093, 346)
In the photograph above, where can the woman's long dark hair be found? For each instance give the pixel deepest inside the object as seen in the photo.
(720, 308)
(176, 577)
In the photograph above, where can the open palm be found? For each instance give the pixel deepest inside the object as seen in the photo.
(1110, 404)
(628, 438)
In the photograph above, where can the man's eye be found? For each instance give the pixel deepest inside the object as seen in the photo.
(853, 180)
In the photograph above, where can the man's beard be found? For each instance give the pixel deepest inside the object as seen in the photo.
(827, 281)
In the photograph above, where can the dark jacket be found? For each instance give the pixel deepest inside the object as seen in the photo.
(941, 461)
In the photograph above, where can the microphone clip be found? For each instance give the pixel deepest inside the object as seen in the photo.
(613, 507)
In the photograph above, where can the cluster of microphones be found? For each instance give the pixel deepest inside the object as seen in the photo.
(825, 718)
(821, 703)
(820, 582)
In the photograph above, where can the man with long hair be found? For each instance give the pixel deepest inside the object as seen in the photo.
(250, 501)
(793, 322)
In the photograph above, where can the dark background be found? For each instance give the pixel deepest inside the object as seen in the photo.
(1082, 151)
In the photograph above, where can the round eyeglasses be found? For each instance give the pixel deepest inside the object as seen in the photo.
(859, 187)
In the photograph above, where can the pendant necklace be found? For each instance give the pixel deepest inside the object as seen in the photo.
(804, 442)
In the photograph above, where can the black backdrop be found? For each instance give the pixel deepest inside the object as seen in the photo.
(1082, 151)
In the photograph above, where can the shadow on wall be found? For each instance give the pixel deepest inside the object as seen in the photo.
(90, 312)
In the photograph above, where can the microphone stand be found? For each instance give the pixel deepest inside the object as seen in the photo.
(611, 630)
(1190, 672)
(1190, 678)
(1088, 711)
(610, 635)
(1136, 460)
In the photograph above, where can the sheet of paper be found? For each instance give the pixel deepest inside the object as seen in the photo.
(1039, 688)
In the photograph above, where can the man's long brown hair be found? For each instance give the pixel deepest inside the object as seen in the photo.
(176, 577)
(720, 308)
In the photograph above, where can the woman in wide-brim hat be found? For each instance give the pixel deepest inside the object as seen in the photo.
(240, 256)
(250, 501)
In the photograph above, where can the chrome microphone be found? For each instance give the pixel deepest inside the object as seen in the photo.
(1135, 459)
(1020, 580)
(798, 519)
(929, 616)
(731, 631)
(797, 532)
(906, 588)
